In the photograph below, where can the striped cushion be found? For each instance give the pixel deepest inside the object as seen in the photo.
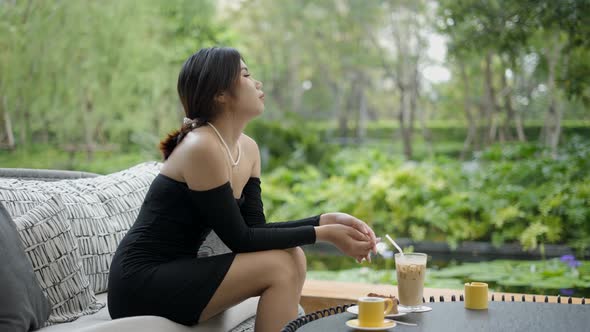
(121, 195)
(85, 212)
(53, 251)
(101, 210)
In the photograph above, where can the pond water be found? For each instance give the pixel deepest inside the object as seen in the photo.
(563, 276)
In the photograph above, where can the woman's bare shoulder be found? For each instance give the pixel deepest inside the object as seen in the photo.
(249, 143)
(199, 142)
(200, 162)
(253, 152)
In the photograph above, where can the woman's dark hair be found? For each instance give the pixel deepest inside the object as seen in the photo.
(203, 75)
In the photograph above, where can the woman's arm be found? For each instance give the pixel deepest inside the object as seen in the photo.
(205, 170)
(252, 210)
(218, 209)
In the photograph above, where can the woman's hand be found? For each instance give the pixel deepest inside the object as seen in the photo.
(347, 239)
(348, 220)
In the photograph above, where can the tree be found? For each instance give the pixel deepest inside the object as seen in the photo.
(404, 22)
(324, 43)
(85, 75)
(506, 30)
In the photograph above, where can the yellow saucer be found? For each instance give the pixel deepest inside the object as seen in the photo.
(354, 323)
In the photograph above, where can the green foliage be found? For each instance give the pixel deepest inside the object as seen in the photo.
(102, 72)
(288, 142)
(445, 131)
(537, 277)
(97, 72)
(50, 157)
(511, 28)
(510, 193)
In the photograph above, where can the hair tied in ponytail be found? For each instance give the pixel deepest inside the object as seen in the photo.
(190, 124)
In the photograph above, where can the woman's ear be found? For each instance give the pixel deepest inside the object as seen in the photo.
(221, 98)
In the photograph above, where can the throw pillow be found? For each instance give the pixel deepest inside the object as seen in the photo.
(52, 248)
(23, 306)
(85, 213)
(122, 194)
(101, 210)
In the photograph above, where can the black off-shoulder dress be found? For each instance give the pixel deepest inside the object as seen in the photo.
(155, 270)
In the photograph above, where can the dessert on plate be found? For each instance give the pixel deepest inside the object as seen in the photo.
(393, 299)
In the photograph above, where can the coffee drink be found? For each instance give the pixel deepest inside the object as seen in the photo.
(410, 270)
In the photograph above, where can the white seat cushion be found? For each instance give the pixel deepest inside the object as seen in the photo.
(102, 322)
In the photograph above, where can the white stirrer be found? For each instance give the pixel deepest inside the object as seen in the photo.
(394, 244)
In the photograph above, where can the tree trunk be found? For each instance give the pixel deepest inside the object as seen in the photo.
(88, 131)
(20, 109)
(361, 126)
(552, 128)
(520, 128)
(156, 122)
(27, 137)
(343, 130)
(337, 93)
(509, 119)
(413, 103)
(7, 124)
(426, 132)
(404, 125)
(24, 120)
(472, 129)
(361, 131)
(295, 84)
(557, 131)
(518, 122)
(419, 112)
(490, 100)
(480, 141)
(352, 102)
(44, 128)
(529, 87)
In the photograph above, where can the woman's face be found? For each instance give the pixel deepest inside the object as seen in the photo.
(249, 98)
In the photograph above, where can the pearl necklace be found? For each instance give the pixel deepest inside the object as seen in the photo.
(233, 163)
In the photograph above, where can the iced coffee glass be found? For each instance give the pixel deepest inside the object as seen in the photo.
(410, 270)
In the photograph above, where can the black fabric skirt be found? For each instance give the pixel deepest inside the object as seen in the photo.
(178, 290)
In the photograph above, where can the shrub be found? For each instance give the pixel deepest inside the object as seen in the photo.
(510, 193)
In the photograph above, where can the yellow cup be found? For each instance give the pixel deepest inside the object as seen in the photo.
(476, 295)
(372, 310)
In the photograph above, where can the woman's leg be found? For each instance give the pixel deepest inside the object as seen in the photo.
(299, 257)
(273, 275)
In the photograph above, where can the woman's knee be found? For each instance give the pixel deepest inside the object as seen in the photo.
(282, 268)
(298, 256)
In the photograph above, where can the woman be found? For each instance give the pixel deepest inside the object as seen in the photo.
(210, 180)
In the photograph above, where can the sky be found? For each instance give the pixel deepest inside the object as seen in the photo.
(436, 72)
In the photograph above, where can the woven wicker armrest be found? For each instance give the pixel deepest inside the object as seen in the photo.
(43, 174)
(299, 322)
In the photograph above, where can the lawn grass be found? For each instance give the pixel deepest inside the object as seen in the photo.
(49, 157)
